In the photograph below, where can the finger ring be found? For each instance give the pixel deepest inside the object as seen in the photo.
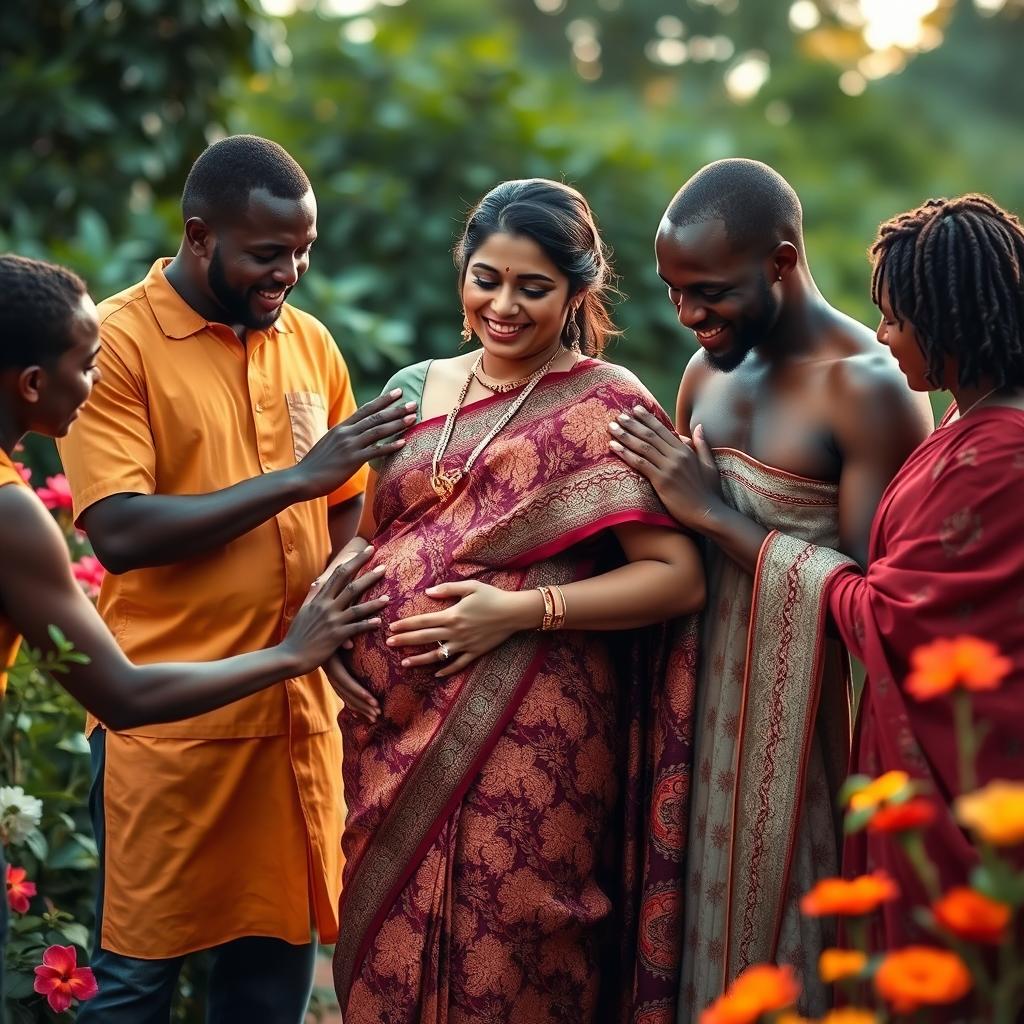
(443, 648)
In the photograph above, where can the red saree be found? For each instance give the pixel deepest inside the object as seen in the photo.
(515, 833)
(946, 558)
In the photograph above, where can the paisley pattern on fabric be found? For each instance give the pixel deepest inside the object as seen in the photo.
(501, 860)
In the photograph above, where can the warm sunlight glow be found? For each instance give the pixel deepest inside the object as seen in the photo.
(744, 79)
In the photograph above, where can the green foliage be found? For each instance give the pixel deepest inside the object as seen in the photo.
(43, 750)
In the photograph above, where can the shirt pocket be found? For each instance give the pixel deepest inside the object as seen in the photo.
(308, 416)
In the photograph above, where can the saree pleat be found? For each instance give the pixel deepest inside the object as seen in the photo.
(768, 749)
(515, 835)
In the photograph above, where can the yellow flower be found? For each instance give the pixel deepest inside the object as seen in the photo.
(850, 1015)
(995, 812)
(838, 964)
(884, 788)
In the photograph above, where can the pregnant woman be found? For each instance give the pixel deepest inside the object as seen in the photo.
(517, 766)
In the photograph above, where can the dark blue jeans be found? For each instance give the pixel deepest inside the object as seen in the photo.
(254, 980)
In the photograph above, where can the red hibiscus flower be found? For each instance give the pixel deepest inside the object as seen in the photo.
(56, 494)
(61, 980)
(19, 891)
(89, 572)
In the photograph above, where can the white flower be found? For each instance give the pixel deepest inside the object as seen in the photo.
(19, 813)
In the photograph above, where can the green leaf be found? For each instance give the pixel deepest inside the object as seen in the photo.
(58, 638)
(857, 820)
(74, 743)
(37, 843)
(78, 934)
(19, 985)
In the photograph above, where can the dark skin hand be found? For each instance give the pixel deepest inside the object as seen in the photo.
(849, 421)
(37, 590)
(134, 531)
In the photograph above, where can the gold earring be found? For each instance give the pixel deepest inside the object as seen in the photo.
(467, 331)
(572, 334)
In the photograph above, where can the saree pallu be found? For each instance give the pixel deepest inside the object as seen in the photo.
(515, 833)
(771, 744)
(945, 559)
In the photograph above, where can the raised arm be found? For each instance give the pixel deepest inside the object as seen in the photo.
(37, 590)
(136, 530)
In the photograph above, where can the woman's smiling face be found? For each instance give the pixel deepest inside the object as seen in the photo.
(516, 299)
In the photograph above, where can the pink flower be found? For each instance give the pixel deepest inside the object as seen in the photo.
(89, 572)
(19, 891)
(61, 980)
(56, 494)
(26, 473)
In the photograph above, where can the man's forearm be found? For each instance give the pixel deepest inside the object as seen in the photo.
(739, 537)
(142, 530)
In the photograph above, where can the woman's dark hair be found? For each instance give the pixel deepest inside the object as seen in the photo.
(954, 268)
(558, 219)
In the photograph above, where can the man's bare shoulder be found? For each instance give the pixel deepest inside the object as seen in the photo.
(868, 394)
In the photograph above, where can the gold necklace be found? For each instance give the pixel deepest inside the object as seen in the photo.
(444, 483)
(497, 386)
(988, 394)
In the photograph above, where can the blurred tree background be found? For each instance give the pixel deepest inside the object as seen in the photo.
(404, 111)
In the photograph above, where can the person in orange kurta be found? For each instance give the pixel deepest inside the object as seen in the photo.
(49, 341)
(207, 477)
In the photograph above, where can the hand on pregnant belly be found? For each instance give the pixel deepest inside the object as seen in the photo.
(482, 618)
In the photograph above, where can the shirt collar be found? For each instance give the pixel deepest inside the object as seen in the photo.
(177, 319)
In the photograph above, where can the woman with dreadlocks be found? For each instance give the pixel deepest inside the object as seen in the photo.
(946, 556)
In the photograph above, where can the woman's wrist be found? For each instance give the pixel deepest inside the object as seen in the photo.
(526, 609)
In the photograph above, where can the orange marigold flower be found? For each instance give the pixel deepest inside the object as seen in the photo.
(969, 915)
(849, 897)
(850, 1015)
(884, 788)
(763, 988)
(995, 812)
(915, 813)
(838, 964)
(964, 661)
(917, 976)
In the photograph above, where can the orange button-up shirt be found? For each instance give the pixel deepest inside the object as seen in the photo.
(184, 407)
(10, 640)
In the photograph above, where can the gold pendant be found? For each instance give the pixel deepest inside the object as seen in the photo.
(444, 483)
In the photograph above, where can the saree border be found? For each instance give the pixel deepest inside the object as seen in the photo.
(790, 582)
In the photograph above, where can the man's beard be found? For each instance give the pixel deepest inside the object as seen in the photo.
(236, 304)
(754, 330)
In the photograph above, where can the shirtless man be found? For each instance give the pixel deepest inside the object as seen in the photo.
(794, 419)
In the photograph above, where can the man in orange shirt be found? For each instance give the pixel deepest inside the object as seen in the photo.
(207, 477)
(49, 341)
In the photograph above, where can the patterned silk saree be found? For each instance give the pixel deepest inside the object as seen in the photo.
(515, 833)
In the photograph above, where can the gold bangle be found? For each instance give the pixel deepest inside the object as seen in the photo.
(560, 614)
(549, 608)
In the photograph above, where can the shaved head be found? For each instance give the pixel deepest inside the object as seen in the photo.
(755, 203)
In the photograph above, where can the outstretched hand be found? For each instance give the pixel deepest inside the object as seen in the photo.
(333, 615)
(482, 618)
(681, 470)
